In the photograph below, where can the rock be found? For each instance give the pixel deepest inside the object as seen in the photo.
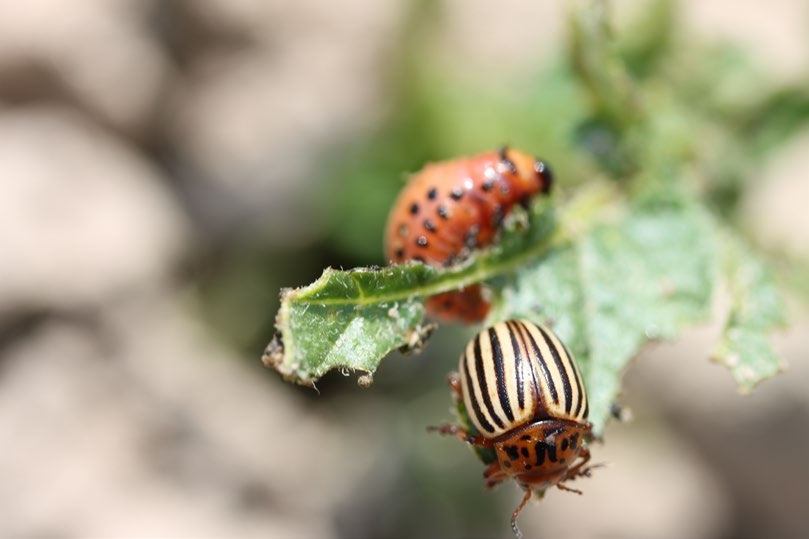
(775, 207)
(93, 54)
(82, 217)
(139, 424)
(249, 121)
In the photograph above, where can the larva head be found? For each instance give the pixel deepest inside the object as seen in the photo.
(529, 175)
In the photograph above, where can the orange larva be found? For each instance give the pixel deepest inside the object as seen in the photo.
(450, 208)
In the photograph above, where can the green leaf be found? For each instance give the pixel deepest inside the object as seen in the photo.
(609, 271)
(755, 311)
(648, 38)
(608, 278)
(775, 118)
(594, 55)
(623, 284)
(352, 319)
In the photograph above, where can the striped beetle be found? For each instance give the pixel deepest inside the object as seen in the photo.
(521, 395)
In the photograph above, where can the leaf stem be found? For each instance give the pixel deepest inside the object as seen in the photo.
(575, 219)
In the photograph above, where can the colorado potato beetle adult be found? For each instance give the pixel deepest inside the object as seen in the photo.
(450, 208)
(521, 394)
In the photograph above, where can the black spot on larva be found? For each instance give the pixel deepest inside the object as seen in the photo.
(562, 461)
(447, 303)
(399, 253)
(457, 193)
(528, 466)
(498, 215)
(404, 230)
(429, 225)
(574, 440)
(525, 437)
(451, 259)
(564, 444)
(421, 241)
(442, 212)
(488, 184)
(471, 239)
(525, 201)
(507, 464)
(414, 209)
(512, 451)
(524, 451)
(432, 193)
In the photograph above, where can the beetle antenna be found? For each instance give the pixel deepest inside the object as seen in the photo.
(516, 513)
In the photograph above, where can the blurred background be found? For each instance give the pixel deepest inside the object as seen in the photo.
(167, 166)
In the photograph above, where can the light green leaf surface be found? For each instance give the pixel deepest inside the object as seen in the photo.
(756, 310)
(623, 284)
(347, 320)
(351, 319)
(606, 275)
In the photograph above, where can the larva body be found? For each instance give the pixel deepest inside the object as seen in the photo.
(450, 208)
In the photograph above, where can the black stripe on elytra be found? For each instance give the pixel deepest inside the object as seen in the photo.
(499, 369)
(544, 366)
(579, 385)
(482, 421)
(484, 387)
(562, 370)
(512, 331)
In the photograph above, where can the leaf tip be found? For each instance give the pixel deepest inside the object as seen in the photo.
(274, 352)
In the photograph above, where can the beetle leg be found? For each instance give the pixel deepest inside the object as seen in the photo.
(576, 470)
(494, 475)
(579, 470)
(560, 486)
(454, 382)
(588, 433)
(516, 513)
(459, 432)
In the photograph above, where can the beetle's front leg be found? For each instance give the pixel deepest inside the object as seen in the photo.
(494, 475)
(560, 486)
(454, 382)
(577, 470)
(580, 470)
